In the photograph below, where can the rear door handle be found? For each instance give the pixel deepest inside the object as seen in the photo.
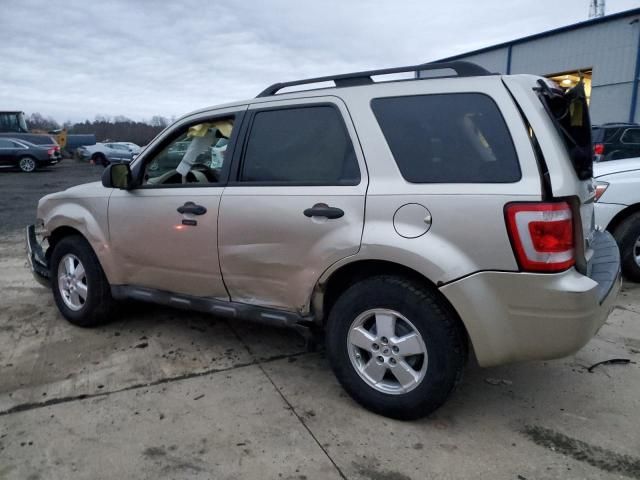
(192, 208)
(323, 210)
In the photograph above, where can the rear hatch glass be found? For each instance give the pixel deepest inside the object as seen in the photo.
(569, 112)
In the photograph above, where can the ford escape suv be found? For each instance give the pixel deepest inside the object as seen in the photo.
(412, 220)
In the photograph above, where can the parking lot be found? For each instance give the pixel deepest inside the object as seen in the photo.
(162, 393)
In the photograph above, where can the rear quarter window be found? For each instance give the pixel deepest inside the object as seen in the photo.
(448, 138)
(631, 135)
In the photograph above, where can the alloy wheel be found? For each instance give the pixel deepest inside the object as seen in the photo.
(387, 351)
(72, 282)
(27, 164)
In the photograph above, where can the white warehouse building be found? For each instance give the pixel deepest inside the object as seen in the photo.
(605, 51)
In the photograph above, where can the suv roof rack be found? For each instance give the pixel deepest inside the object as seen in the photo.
(462, 69)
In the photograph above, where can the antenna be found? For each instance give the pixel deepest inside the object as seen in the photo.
(596, 8)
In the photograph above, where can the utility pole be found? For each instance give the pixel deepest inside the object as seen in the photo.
(596, 8)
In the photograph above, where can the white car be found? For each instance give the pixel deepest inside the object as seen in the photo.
(618, 208)
(135, 149)
(106, 153)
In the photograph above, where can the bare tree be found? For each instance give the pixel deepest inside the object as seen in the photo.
(37, 121)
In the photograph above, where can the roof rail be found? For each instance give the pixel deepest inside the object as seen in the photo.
(462, 69)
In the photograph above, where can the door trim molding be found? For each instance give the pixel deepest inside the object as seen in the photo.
(223, 308)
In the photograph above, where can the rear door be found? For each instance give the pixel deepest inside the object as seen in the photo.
(296, 204)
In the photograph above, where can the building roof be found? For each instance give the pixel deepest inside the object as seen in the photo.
(548, 33)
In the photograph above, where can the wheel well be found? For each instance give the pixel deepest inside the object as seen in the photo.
(622, 216)
(57, 235)
(351, 273)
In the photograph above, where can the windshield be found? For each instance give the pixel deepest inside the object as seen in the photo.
(13, 122)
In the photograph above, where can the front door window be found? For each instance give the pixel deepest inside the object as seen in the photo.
(196, 155)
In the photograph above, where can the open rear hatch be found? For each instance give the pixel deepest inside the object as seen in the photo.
(569, 113)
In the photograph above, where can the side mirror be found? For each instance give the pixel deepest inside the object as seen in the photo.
(117, 175)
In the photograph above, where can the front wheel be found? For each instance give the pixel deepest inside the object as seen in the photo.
(395, 346)
(27, 164)
(80, 288)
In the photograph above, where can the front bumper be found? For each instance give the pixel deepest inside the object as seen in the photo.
(515, 316)
(35, 256)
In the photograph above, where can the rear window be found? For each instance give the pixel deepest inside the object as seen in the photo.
(604, 134)
(448, 138)
(597, 135)
(570, 114)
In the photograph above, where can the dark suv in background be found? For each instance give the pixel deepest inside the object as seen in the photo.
(615, 141)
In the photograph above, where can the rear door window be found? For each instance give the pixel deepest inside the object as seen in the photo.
(448, 138)
(300, 146)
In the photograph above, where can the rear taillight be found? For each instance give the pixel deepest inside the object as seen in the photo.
(541, 235)
(51, 151)
(598, 148)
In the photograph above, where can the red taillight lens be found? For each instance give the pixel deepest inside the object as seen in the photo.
(598, 148)
(542, 235)
(51, 151)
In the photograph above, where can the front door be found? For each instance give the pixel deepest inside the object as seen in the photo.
(295, 205)
(164, 232)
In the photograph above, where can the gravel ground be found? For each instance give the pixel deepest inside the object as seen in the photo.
(20, 192)
(163, 394)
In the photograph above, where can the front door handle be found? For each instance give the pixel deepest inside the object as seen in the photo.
(323, 210)
(192, 208)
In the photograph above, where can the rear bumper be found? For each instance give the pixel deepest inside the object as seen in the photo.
(514, 316)
(36, 257)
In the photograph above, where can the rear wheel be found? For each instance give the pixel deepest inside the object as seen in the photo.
(628, 237)
(80, 288)
(395, 346)
(100, 159)
(27, 164)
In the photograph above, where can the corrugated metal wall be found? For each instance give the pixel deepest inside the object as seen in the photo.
(609, 48)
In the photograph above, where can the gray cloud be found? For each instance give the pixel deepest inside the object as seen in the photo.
(75, 59)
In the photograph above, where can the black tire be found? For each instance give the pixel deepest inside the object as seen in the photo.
(627, 235)
(27, 164)
(98, 305)
(441, 331)
(100, 159)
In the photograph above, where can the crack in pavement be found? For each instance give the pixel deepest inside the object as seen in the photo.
(71, 398)
(287, 402)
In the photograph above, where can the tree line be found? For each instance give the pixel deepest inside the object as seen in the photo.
(116, 129)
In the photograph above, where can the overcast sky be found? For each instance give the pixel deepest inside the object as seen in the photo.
(75, 59)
